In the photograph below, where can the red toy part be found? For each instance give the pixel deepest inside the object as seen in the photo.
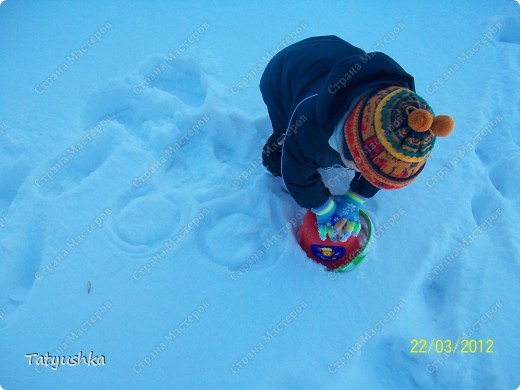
(337, 256)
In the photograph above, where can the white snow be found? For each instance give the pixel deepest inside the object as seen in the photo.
(137, 222)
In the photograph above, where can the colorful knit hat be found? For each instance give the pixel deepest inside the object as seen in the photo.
(391, 133)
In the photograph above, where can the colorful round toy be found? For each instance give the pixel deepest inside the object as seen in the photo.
(337, 256)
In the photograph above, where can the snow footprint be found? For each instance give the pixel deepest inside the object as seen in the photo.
(236, 236)
(500, 159)
(134, 111)
(483, 203)
(440, 287)
(442, 291)
(12, 176)
(144, 218)
(435, 297)
(388, 359)
(233, 138)
(504, 176)
(18, 274)
(233, 240)
(81, 160)
(183, 78)
(510, 31)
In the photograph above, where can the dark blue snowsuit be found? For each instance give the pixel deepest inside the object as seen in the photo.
(308, 87)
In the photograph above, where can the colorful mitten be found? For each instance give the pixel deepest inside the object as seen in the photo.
(347, 207)
(327, 218)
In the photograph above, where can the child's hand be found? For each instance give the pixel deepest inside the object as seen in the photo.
(340, 218)
(326, 217)
(347, 207)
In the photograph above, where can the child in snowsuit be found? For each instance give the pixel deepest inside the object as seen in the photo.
(331, 103)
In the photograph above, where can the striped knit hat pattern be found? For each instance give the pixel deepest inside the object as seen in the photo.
(390, 135)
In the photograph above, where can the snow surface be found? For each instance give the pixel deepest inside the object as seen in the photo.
(137, 222)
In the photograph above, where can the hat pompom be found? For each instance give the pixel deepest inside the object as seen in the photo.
(420, 120)
(442, 125)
